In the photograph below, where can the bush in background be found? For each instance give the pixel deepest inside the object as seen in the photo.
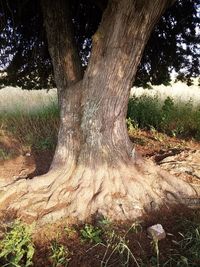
(176, 119)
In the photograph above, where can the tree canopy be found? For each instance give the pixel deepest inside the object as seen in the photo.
(24, 54)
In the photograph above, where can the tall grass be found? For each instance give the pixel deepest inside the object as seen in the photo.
(37, 128)
(14, 99)
(33, 116)
(180, 92)
(177, 119)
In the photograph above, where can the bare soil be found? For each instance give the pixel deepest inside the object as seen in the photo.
(29, 162)
(180, 157)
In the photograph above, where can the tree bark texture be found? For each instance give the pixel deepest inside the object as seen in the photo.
(95, 169)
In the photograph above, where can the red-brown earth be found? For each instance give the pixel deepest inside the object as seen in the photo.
(180, 157)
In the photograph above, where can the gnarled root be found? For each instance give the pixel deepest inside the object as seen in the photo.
(120, 193)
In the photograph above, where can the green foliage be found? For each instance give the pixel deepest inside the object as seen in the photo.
(70, 232)
(60, 254)
(45, 144)
(39, 128)
(173, 44)
(16, 248)
(136, 228)
(188, 245)
(156, 135)
(116, 248)
(175, 119)
(131, 125)
(105, 223)
(155, 260)
(91, 233)
(144, 111)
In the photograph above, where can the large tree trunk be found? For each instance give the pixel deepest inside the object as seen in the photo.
(95, 169)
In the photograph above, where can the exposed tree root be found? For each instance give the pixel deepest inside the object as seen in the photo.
(120, 193)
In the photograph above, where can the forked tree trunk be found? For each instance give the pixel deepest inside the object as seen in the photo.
(95, 169)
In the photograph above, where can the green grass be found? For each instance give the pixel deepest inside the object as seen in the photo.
(181, 120)
(60, 255)
(111, 244)
(91, 233)
(38, 128)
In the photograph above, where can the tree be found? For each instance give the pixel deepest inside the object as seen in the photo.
(173, 44)
(95, 169)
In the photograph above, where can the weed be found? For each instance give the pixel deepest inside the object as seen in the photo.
(117, 247)
(117, 251)
(132, 125)
(45, 144)
(188, 246)
(155, 244)
(70, 232)
(145, 111)
(60, 255)
(136, 228)
(156, 135)
(16, 247)
(91, 233)
(176, 119)
(38, 129)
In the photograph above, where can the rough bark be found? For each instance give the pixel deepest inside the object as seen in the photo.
(68, 72)
(95, 169)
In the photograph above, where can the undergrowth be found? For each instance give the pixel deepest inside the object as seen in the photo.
(106, 244)
(16, 247)
(180, 120)
(39, 128)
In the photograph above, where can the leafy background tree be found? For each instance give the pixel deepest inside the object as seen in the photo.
(173, 45)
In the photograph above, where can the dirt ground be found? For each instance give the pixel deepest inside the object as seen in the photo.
(180, 157)
(28, 162)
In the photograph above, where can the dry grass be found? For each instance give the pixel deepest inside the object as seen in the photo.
(14, 99)
(179, 91)
(33, 116)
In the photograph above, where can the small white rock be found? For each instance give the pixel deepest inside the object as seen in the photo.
(156, 232)
(28, 154)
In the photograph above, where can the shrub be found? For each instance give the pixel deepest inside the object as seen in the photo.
(16, 248)
(182, 119)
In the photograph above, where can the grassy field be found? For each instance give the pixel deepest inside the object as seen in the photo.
(32, 117)
(179, 91)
